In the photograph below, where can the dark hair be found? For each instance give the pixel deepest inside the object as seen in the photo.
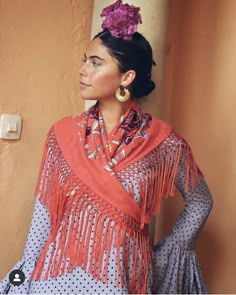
(136, 55)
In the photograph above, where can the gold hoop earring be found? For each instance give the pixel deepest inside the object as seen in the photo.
(122, 94)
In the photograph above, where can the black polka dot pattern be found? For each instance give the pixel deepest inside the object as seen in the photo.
(176, 268)
(38, 235)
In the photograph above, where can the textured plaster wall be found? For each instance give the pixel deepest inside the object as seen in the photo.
(199, 101)
(41, 46)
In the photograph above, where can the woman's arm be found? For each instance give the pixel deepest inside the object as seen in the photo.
(198, 204)
(176, 268)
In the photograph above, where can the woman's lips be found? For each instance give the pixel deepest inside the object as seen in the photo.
(83, 84)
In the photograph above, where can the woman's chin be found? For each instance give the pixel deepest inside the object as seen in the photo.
(87, 98)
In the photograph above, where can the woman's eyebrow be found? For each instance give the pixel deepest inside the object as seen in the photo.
(94, 56)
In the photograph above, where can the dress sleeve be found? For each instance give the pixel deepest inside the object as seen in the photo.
(176, 268)
(38, 235)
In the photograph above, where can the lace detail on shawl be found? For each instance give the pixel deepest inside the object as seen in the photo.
(79, 216)
(156, 174)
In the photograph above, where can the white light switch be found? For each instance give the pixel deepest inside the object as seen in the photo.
(10, 126)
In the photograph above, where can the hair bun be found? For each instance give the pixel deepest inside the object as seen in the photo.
(143, 88)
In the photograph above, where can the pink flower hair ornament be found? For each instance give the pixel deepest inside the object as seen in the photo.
(121, 20)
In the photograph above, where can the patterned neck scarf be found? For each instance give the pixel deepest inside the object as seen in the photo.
(111, 149)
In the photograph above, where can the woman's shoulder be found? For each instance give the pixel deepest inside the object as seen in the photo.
(67, 121)
(63, 127)
(63, 122)
(172, 138)
(161, 124)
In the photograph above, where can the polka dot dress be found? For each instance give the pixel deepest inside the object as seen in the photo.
(176, 269)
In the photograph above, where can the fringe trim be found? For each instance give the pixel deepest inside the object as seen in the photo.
(85, 238)
(157, 172)
(85, 229)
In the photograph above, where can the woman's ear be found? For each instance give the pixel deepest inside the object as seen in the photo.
(127, 78)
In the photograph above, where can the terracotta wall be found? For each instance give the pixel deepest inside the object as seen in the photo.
(41, 47)
(200, 102)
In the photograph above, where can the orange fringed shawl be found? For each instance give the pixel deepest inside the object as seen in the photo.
(79, 174)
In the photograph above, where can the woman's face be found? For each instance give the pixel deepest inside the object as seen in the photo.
(99, 76)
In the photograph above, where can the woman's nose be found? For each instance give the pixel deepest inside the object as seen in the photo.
(82, 70)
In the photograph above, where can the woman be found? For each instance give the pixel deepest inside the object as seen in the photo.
(104, 174)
